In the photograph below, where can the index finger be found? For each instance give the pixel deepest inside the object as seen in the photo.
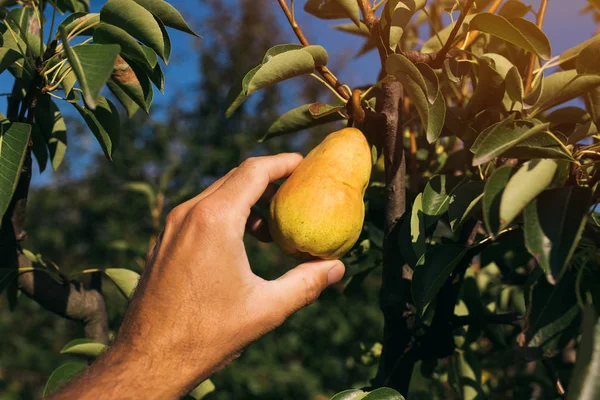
(248, 183)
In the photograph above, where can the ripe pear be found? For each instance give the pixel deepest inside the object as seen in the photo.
(319, 211)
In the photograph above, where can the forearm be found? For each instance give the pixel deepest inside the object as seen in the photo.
(123, 374)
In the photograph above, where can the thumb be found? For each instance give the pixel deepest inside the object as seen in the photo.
(302, 285)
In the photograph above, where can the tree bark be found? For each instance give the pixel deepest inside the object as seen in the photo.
(68, 299)
(398, 355)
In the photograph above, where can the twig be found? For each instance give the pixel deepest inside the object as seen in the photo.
(441, 55)
(560, 390)
(540, 23)
(52, 24)
(321, 69)
(491, 319)
(436, 60)
(474, 35)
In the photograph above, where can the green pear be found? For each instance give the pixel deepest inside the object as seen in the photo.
(319, 211)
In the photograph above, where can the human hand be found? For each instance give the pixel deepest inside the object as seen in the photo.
(198, 303)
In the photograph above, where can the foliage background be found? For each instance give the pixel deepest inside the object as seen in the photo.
(84, 217)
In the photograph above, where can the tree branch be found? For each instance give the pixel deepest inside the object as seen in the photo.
(368, 14)
(490, 319)
(398, 355)
(321, 69)
(540, 23)
(474, 35)
(71, 300)
(436, 60)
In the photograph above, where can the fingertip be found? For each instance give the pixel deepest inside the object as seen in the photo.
(336, 273)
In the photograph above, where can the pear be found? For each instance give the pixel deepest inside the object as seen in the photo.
(318, 212)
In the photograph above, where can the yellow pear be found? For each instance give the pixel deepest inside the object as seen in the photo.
(319, 211)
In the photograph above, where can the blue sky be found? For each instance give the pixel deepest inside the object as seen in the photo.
(564, 26)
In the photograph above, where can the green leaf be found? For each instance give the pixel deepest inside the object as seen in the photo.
(518, 31)
(320, 110)
(463, 203)
(360, 30)
(436, 42)
(61, 376)
(492, 196)
(553, 315)
(26, 25)
(540, 145)
(80, 20)
(104, 123)
(432, 271)
(503, 136)
(155, 74)
(553, 225)
(14, 138)
(167, 14)
(437, 196)
(592, 104)
(430, 107)
(92, 64)
(513, 82)
(383, 394)
(563, 86)
(52, 125)
(7, 58)
(134, 82)
(588, 60)
(396, 16)
(296, 120)
(377, 394)
(130, 106)
(400, 67)
(83, 347)
(202, 390)
(417, 228)
(139, 23)
(125, 279)
(143, 188)
(514, 8)
(7, 3)
(465, 375)
(568, 59)
(73, 5)
(110, 34)
(524, 186)
(490, 90)
(585, 379)
(351, 394)
(334, 9)
(39, 147)
(280, 63)
(350, 8)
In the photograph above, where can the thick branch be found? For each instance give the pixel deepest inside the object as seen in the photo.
(368, 14)
(398, 355)
(321, 69)
(70, 300)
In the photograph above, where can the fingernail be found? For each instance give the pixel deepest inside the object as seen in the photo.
(336, 273)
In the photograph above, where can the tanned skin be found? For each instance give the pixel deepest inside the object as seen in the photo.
(198, 303)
